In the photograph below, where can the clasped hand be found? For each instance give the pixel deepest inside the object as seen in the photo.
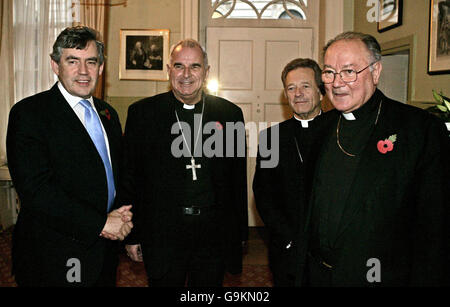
(118, 224)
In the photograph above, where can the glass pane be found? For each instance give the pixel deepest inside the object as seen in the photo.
(295, 13)
(243, 10)
(250, 9)
(222, 9)
(277, 11)
(217, 14)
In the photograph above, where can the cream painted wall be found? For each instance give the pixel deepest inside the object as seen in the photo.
(415, 22)
(336, 16)
(138, 14)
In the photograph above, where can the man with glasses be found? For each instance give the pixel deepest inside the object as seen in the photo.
(379, 216)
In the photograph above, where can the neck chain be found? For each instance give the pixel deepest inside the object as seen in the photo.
(337, 131)
(298, 150)
(192, 166)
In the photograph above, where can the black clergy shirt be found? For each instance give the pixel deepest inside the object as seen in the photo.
(336, 174)
(304, 136)
(200, 192)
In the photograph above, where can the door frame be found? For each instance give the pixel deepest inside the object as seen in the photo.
(400, 46)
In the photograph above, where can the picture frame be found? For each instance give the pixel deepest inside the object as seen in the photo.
(390, 14)
(439, 38)
(144, 54)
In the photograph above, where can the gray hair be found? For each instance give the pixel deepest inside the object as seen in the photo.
(369, 41)
(77, 37)
(190, 43)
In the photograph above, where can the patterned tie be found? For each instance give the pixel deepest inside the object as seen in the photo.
(94, 128)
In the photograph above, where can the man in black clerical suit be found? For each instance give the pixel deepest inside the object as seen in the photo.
(379, 206)
(282, 190)
(189, 198)
(63, 148)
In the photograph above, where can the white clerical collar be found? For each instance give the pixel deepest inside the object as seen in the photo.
(349, 116)
(305, 122)
(188, 106)
(71, 99)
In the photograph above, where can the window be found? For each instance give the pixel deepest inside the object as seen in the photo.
(36, 26)
(259, 9)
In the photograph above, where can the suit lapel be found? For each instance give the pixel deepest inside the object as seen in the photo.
(324, 132)
(212, 114)
(65, 114)
(65, 118)
(294, 167)
(166, 138)
(296, 156)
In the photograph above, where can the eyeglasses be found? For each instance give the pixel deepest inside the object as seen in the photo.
(347, 75)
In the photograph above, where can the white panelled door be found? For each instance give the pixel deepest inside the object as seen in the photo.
(247, 64)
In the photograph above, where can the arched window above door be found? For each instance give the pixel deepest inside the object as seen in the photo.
(260, 9)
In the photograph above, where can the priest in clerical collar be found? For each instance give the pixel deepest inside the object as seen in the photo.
(378, 212)
(282, 192)
(303, 88)
(190, 205)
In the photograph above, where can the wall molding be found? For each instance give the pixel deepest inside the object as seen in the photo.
(189, 19)
(401, 45)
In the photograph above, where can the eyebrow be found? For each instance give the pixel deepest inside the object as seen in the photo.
(344, 67)
(302, 82)
(71, 57)
(193, 64)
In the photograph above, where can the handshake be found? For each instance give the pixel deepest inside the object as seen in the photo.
(118, 224)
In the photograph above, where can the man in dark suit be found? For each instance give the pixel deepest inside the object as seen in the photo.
(379, 211)
(185, 175)
(282, 190)
(63, 148)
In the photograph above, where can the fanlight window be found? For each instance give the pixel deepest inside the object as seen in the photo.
(259, 9)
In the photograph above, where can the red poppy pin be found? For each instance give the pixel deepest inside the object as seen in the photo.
(219, 126)
(387, 145)
(106, 113)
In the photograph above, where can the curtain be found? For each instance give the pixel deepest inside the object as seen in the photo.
(92, 13)
(6, 63)
(37, 23)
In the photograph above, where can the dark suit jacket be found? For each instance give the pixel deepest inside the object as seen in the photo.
(282, 192)
(398, 209)
(61, 182)
(152, 177)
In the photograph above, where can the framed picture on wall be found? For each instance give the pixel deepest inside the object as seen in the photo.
(439, 37)
(144, 54)
(389, 14)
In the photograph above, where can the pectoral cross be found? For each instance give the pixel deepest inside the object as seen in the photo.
(193, 166)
